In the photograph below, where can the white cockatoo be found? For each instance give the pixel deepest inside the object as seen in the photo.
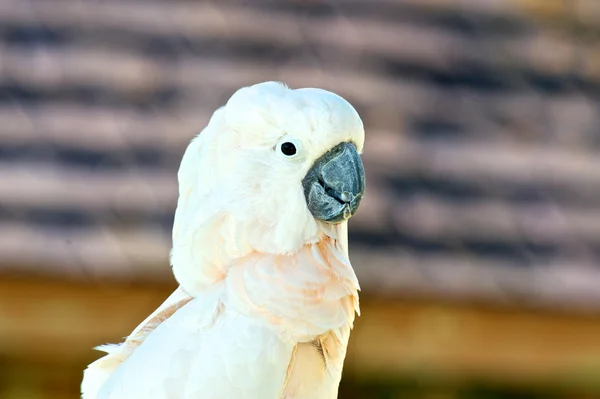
(267, 295)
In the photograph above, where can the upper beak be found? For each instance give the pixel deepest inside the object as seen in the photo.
(335, 184)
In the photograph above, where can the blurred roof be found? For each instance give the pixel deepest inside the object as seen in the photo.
(482, 133)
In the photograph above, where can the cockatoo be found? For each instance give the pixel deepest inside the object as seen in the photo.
(267, 295)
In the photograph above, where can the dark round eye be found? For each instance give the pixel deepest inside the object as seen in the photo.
(288, 149)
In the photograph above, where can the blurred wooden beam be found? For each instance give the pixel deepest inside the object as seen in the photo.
(56, 322)
(455, 343)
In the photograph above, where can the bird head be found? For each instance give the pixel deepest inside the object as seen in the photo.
(274, 170)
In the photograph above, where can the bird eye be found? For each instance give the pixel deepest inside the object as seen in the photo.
(288, 149)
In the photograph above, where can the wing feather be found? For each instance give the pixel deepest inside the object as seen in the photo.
(204, 350)
(99, 371)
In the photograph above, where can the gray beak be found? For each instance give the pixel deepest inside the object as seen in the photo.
(335, 184)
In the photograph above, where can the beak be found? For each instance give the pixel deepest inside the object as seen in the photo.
(335, 184)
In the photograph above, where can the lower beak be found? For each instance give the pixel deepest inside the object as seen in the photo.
(335, 184)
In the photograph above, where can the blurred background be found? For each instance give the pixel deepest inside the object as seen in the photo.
(478, 242)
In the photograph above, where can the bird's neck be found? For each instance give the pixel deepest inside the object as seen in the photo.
(300, 295)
